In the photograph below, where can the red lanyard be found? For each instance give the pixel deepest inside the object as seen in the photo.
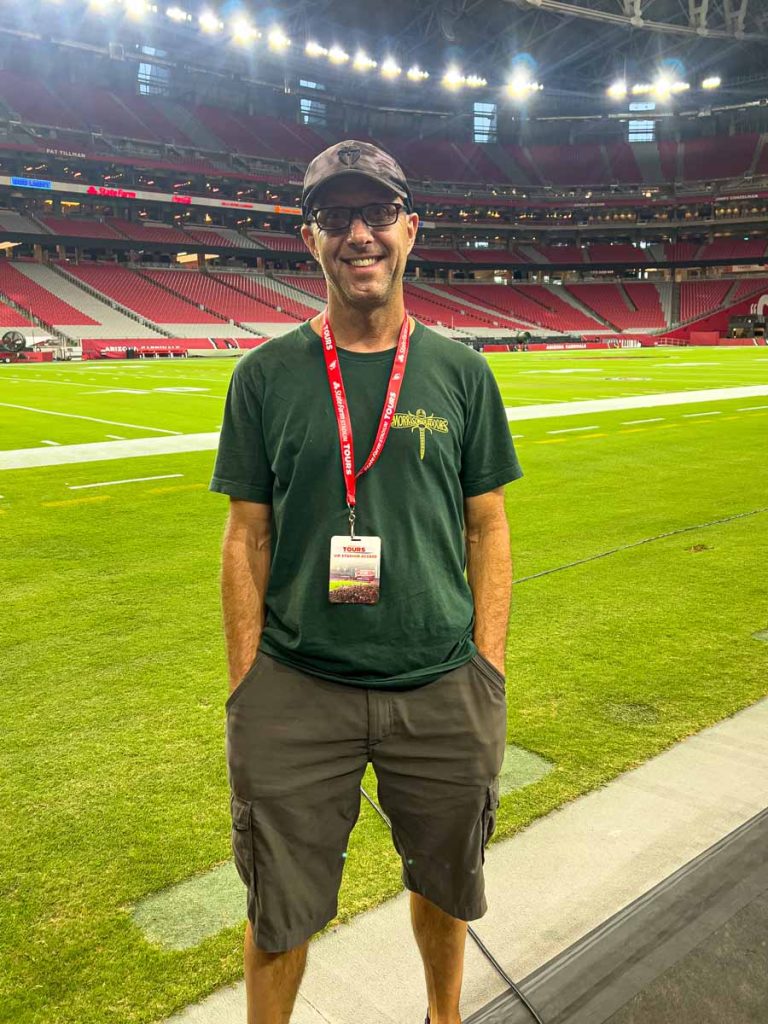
(341, 407)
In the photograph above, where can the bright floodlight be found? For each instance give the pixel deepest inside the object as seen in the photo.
(176, 14)
(617, 90)
(453, 78)
(475, 81)
(99, 6)
(313, 49)
(713, 82)
(363, 62)
(243, 31)
(390, 68)
(209, 22)
(278, 40)
(337, 56)
(520, 86)
(415, 74)
(136, 8)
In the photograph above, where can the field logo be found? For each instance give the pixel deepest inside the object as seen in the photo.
(421, 422)
(758, 308)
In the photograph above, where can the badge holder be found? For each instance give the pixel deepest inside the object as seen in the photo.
(355, 569)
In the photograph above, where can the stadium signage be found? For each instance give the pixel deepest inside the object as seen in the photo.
(105, 192)
(31, 183)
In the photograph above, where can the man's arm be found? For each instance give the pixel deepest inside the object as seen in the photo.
(245, 561)
(489, 572)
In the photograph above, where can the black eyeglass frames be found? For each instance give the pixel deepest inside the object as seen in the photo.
(338, 218)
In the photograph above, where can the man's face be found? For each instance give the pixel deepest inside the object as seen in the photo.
(345, 256)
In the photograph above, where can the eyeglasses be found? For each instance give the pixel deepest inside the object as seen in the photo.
(338, 218)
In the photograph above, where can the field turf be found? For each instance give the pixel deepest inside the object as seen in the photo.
(112, 775)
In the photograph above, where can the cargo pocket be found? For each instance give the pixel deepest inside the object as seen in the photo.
(242, 840)
(489, 813)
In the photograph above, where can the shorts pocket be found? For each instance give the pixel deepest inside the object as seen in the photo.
(239, 688)
(242, 840)
(490, 672)
(489, 813)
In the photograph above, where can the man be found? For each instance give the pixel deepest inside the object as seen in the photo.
(352, 633)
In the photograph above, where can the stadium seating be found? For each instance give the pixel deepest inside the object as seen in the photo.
(277, 241)
(41, 303)
(616, 252)
(527, 304)
(268, 293)
(76, 227)
(218, 237)
(561, 253)
(142, 295)
(623, 164)
(9, 317)
(570, 165)
(705, 159)
(631, 306)
(732, 249)
(141, 232)
(17, 223)
(700, 297)
(499, 257)
(213, 293)
(435, 255)
(681, 250)
(439, 307)
(314, 286)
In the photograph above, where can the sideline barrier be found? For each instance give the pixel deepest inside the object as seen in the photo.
(119, 348)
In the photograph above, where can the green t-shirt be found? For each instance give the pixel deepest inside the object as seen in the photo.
(449, 440)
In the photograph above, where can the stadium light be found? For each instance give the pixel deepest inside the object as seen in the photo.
(337, 56)
(520, 85)
(617, 90)
(415, 74)
(243, 32)
(99, 6)
(713, 82)
(475, 81)
(453, 78)
(363, 62)
(390, 68)
(278, 40)
(177, 14)
(136, 8)
(209, 22)
(313, 49)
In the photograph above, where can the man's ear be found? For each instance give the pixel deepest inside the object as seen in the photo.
(412, 226)
(308, 237)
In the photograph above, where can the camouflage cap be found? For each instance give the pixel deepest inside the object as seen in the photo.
(351, 157)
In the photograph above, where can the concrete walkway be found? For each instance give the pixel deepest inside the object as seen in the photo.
(547, 886)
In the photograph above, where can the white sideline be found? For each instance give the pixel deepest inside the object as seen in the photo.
(99, 451)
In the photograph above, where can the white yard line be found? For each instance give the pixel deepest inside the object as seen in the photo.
(545, 412)
(134, 480)
(93, 419)
(693, 415)
(572, 430)
(99, 451)
(51, 442)
(653, 419)
(23, 458)
(752, 408)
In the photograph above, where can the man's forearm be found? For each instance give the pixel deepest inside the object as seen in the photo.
(245, 565)
(489, 574)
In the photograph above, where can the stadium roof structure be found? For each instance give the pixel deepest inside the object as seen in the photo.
(575, 48)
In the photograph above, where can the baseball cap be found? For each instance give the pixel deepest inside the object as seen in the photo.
(352, 157)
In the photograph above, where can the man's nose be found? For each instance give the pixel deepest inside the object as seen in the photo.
(359, 233)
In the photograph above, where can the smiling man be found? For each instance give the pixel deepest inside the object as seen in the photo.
(365, 457)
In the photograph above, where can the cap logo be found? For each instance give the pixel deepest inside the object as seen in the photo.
(349, 155)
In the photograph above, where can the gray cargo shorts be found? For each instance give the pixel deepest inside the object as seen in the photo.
(297, 748)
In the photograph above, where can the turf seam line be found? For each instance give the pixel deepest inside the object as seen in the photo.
(638, 543)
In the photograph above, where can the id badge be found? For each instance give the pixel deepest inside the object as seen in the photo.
(355, 570)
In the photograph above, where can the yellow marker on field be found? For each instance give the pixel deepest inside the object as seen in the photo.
(170, 490)
(75, 501)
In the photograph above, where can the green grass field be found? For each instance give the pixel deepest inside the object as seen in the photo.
(112, 776)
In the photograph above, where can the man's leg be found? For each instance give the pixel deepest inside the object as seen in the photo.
(441, 939)
(272, 981)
